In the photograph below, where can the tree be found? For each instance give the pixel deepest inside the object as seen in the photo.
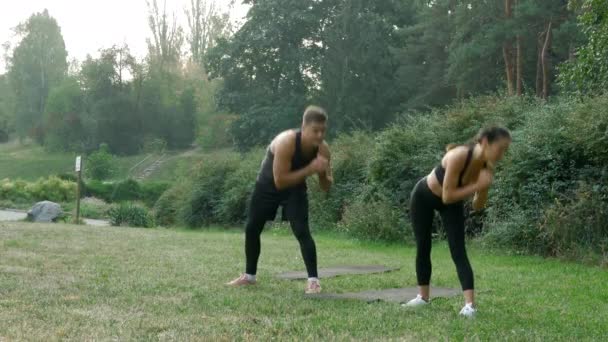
(263, 68)
(66, 123)
(487, 37)
(165, 50)
(37, 64)
(6, 108)
(357, 63)
(547, 32)
(111, 101)
(587, 71)
(206, 25)
(424, 57)
(336, 53)
(184, 122)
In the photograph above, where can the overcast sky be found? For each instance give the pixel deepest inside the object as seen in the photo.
(88, 25)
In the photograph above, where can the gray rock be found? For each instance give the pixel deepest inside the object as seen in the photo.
(45, 211)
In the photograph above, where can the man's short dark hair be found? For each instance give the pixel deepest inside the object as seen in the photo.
(314, 114)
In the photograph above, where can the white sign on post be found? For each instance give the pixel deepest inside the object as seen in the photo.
(78, 162)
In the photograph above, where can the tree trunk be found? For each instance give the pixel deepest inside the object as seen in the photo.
(539, 64)
(507, 51)
(120, 68)
(571, 52)
(520, 63)
(546, 62)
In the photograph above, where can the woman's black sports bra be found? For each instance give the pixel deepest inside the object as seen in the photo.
(440, 171)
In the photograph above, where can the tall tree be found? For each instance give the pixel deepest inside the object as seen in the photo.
(6, 108)
(338, 53)
(547, 31)
(358, 63)
(67, 125)
(423, 59)
(507, 51)
(110, 100)
(263, 68)
(165, 48)
(36, 65)
(481, 44)
(206, 24)
(587, 71)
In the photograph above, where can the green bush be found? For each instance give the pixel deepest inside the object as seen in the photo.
(130, 214)
(52, 189)
(403, 154)
(558, 146)
(460, 122)
(514, 229)
(575, 226)
(100, 164)
(44, 189)
(586, 127)
(542, 162)
(350, 158)
(99, 189)
(127, 190)
(94, 208)
(414, 144)
(376, 220)
(237, 188)
(150, 192)
(325, 208)
(208, 178)
(14, 190)
(68, 177)
(169, 204)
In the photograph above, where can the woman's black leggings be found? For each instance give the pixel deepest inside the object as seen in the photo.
(422, 210)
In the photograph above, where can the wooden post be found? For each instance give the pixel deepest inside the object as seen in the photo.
(79, 172)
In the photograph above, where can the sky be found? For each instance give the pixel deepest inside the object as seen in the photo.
(88, 25)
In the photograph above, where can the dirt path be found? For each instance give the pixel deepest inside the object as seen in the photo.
(19, 215)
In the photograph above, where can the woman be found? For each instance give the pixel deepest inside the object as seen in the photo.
(464, 171)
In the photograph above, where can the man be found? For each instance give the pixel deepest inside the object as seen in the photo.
(291, 157)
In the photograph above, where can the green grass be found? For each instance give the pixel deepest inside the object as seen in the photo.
(128, 166)
(178, 164)
(30, 162)
(84, 283)
(174, 168)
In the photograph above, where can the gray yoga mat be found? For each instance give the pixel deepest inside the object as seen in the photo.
(339, 270)
(401, 295)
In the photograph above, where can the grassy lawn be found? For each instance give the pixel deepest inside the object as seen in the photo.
(30, 162)
(83, 283)
(174, 167)
(178, 164)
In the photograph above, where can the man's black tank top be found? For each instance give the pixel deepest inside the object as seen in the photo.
(298, 161)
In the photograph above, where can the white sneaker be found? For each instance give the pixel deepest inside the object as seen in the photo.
(468, 310)
(418, 301)
(312, 287)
